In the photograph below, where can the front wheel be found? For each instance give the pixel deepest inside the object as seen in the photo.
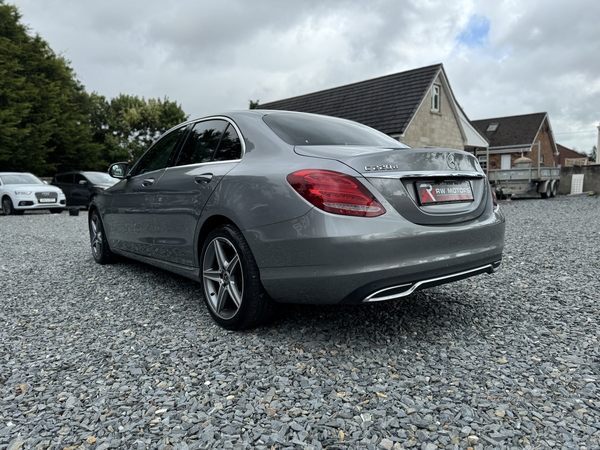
(100, 249)
(231, 284)
(7, 207)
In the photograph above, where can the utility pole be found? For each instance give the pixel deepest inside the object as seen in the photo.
(598, 144)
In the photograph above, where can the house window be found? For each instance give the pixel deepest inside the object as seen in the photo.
(492, 127)
(435, 98)
(483, 162)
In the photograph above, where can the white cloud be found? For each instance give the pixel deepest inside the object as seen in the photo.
(216, 55)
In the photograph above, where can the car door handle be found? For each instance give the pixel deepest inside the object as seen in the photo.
(148, 182)
(204, 178)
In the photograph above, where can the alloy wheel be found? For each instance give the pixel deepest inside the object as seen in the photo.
(223, 278)
(96, 236)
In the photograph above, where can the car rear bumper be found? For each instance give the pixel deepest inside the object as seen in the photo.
(321, 258)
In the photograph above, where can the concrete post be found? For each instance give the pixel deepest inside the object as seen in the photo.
(598, 145)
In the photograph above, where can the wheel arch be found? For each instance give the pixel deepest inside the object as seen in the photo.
(207, 226)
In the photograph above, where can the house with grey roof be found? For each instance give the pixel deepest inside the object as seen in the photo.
(416, 107)
(512, 137)
(568, 157)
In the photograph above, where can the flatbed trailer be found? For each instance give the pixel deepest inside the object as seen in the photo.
(525, 181)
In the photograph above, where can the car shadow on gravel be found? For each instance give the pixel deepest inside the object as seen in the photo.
(419, 316)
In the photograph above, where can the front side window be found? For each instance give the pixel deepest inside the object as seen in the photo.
(435, 98)
(157, 157)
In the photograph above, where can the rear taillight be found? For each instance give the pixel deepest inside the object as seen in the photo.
(335, 192)
(494, 199)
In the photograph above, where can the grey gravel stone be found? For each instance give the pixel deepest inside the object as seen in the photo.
(126, 356)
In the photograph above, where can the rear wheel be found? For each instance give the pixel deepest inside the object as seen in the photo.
(100, 249)
(231, 284)
(56, 210)
(547, 192)
(554, 189)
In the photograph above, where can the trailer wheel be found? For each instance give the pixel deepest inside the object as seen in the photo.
(547, 193)
(554, 189)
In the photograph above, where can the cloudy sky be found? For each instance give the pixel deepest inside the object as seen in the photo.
(502, 58)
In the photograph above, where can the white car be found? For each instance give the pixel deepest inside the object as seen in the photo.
(20, 192)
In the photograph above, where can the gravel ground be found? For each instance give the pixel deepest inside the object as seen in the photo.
(125, 356)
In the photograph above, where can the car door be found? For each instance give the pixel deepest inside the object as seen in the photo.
(79, 193)
(212, 148)
(129, 221)
(65, 183)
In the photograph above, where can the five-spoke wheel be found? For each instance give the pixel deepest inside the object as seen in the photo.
(230, 280)
(100, 249)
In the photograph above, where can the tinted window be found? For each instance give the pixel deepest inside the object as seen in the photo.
(230, 147)
(157, 157)
(64, 178)
(100, 178)
(298, 129)
(202, 142)
(79, 178)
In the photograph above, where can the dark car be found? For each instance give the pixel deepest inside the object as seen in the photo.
(80, 188)
(262, 206)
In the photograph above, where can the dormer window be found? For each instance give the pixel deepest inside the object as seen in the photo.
(492, 127)
(435, 98)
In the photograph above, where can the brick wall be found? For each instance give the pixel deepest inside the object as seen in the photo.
(433, 129)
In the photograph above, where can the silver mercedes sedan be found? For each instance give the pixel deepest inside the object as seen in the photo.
(273, 206)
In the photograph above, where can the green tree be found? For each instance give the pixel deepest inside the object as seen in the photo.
(594, 154)
(126, 126)
(253, 104)
(44, 127)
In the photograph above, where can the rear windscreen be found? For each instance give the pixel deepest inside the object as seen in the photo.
(305, 129)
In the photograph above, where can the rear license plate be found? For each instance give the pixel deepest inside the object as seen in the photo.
(47, 200)
(445, 192)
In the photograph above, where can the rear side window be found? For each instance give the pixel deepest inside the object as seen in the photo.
(230, 147)
(300, 129)
(211, 140)
(64, 178)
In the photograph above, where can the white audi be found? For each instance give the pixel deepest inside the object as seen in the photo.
(20, 192)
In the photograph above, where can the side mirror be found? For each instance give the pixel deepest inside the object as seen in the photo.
(82, 182)
(118, 170)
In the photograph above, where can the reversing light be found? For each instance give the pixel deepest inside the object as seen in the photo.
(335, 192)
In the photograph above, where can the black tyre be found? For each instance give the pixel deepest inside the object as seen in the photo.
(231, 284)
(7, 206)
(56, 210)
(100, 249)
(548, 191)
(554, 189)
